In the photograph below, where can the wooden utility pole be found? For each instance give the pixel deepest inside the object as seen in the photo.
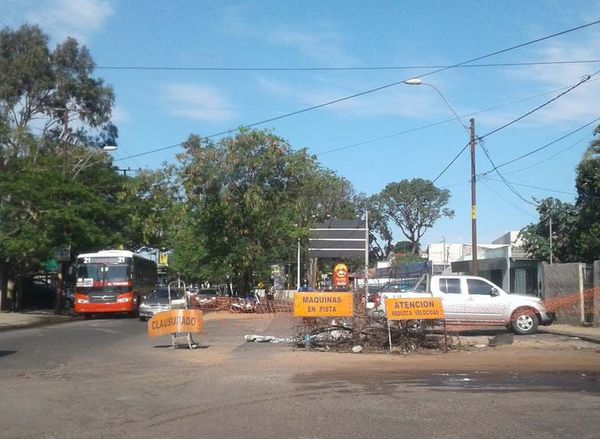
(550, 237)
(474, 269)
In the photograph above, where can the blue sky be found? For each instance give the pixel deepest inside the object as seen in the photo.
(158, 108)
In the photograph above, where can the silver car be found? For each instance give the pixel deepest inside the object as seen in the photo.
(158, 301)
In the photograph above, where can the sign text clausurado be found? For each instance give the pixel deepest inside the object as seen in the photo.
(413, 309)
(175, 321)
(323, 305)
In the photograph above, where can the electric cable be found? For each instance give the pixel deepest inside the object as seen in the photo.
(516, 206)
(337, 69)
(541, 147)
(383, 87)
(582, 81)
(562, 151)
(534, 187)
(504, 180)
(434, 124)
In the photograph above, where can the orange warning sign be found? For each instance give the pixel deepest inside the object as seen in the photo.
(175, 321)
(323, 304)
(428, 308)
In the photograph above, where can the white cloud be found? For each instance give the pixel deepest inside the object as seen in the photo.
(64, 18)
(120, 115)
(192, 101)
(579, 104)
(321, 45)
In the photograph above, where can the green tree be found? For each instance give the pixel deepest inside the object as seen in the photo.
(414, 206)
(380, 235)
(587, 183)
(34, 223)
(155, 207)
(249, 198)
(56, 90)
(53, 116)
(536, 237)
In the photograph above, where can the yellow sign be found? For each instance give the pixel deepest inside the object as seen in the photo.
(175, 321)
(163, 259)
(429, 308)
(323, 304)
(473, 212)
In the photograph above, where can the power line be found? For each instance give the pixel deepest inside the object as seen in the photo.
(337, 69)
(431, 125)
(582, 81)
(542, 147)
(569, 89)
(451, 162)
(504, 180)
(535, 187)
(562, 151)
(383, 87)
(507, 200)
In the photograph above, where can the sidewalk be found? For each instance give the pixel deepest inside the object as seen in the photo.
(26, 319)
(587, 334)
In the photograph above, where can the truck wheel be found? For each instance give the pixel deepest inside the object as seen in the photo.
(524, 321)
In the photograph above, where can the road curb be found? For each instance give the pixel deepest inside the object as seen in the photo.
(587, 338)
(44, 321)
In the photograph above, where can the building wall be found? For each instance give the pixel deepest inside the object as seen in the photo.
(562, 287)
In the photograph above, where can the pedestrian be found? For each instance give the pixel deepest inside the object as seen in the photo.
(270, 296)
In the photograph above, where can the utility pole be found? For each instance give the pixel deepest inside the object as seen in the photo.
(474, 270)
(298, 271)
(550, 238)
(366, 258)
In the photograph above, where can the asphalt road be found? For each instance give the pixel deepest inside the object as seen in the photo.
(106, 378)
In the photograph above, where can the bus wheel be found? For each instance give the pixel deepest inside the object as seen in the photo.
(87, 316)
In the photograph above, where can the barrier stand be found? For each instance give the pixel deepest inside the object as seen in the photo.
(188, 336)
(428, 308)
(445, 338)
(310, 306)
(177, 321)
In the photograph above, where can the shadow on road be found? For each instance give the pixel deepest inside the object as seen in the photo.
(5, 353)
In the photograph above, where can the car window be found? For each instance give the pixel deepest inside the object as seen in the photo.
(477, 286)
(207, 292)
(450, 286)
(175, 294)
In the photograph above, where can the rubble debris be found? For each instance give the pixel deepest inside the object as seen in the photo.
(364, 334)
(264, 339)
(501, 339)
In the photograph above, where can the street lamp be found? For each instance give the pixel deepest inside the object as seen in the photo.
(471, 131)
(418, 81)
(83, 163)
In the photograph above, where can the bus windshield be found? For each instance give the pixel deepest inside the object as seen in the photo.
(103, 272)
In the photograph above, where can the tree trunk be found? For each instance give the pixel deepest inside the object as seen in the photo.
(312, 272)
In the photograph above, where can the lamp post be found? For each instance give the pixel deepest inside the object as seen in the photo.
(472, 143)
(83, 163)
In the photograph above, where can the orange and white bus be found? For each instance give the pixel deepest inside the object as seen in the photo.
(112, 281)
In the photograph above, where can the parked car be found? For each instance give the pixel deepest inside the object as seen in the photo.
(393, 290)
(206, 297)
(475, 300)
(38, 294)
(158, 301)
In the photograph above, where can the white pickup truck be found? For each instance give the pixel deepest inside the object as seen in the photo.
(475, 300)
